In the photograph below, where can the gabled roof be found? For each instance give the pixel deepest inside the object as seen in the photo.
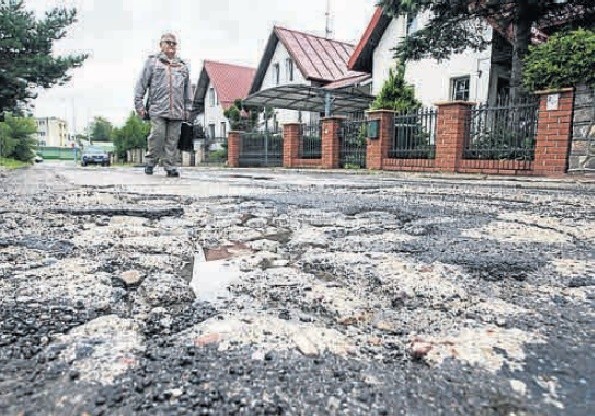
(231, 82)
(361, 59)
(319, 59)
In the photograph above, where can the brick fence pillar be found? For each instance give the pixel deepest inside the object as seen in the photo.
(554, 129)
(291, 143)
(377, 149)
(451, 126)
(331, 129)
(233, 149)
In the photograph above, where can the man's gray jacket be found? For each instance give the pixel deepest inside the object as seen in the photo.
(168, 83)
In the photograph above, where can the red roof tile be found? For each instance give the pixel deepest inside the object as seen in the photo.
(230, 81)
(318, 58)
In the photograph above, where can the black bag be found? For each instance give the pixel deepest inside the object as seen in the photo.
(147, 117)
(186, 141)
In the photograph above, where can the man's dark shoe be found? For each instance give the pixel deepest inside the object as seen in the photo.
(172, 173)
(149, 170)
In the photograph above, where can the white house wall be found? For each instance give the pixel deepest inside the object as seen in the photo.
(280, 57)
(214, 114)
(430, 78)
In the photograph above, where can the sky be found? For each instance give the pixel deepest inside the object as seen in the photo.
(120, 34)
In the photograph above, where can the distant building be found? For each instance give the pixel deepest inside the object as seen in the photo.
(52, 132)
(218, 86)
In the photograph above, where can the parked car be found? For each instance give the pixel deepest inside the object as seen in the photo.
(94, 156)
(37, 158)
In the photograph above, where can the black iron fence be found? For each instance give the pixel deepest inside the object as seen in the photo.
(261, 149)
(353, 145)
(414, 135)
(311, 140)
(502, 132)
(215, 152)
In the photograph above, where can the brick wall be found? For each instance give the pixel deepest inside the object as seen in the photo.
(233, 149)
(331, 127)
(554, 129)
(377, 150)
(551, 149)
(552, 146)
(292, 134)
(450, 134)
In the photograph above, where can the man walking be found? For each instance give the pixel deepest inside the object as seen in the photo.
(167, 80)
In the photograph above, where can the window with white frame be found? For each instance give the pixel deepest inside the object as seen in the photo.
(212, 97)
(289, 69)
(211, 131)
(459, 88)
(223, 129)
(276, 74)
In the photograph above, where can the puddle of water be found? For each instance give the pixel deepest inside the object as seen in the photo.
(210, 279)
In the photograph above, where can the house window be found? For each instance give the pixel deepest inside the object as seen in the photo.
(411, 24)
(289, 69)
(223, 129)
(459, 89)
(276, 74)
(212, 97)
(211, 131)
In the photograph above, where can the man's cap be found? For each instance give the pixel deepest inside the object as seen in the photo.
(168, 36)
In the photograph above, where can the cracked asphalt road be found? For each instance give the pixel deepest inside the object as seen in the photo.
(238, 291)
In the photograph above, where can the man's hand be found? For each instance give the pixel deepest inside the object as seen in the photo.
(141, 113)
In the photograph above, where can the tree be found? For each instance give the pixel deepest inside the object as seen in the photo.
(453, 26)
(101, 130)
(565, 60)
(26, 59)
(396, 94)
(132, 135)
(17, 139)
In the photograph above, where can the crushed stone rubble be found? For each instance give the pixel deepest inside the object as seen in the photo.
(346, 294)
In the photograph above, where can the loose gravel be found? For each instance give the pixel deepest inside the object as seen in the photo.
(341, 294)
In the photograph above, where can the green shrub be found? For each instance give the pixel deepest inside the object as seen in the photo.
(396, 94)
(565, 60)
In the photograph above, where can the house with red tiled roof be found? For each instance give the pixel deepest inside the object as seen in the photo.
(218, 86)
(469, 76)
(294, 57)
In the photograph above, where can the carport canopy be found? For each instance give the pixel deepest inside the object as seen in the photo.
(315, 99)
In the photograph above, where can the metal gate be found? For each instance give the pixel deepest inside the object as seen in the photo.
(352, 142)
(261, 149)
